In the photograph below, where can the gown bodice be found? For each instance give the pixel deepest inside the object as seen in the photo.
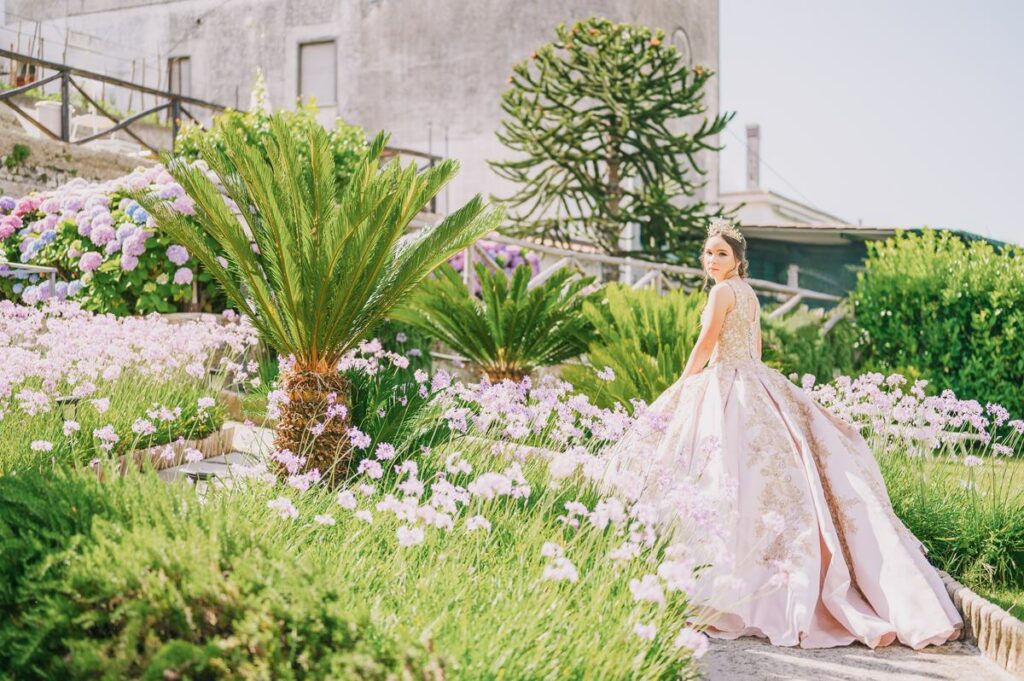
(738, 339)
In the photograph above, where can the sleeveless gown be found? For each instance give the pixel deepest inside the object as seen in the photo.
(791, 510)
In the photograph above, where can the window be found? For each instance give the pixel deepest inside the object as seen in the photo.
(318, 72)
(179, 77)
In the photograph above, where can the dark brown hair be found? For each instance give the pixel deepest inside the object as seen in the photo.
(739, 251)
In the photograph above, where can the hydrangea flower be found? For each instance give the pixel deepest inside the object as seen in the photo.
(183, 276)
(177, 254)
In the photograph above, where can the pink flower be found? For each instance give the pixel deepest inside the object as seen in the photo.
(358, 438)
(177, 254)
(284, 508)
(324, 519)
(409, 536)
(183, 276)
(972, 461)
(694, 640)
(193, 455)
(41, 445)
(89, 261)
(645, 631)
(385, 451)
(347, 500)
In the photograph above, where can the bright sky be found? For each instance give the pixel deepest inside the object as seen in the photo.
(893, 112)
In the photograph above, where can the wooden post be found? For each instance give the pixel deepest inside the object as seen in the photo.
(175, 119)
(65, 107)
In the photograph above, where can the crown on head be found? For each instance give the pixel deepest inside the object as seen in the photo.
(721, 226)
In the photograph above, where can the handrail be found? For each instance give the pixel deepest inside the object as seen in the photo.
(65, 74)
(92, 75)
(51, 272)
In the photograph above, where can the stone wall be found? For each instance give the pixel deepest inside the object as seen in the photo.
(50, 164)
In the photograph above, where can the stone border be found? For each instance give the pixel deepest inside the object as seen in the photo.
(214, 444)
(998, 634)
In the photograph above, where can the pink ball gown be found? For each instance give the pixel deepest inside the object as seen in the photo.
(791, 509)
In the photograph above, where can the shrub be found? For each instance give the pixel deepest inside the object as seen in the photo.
(794, 344)
(167, 591)
(108, 254)
(644, 337)
(951, 309)
(511, 329)
(348, 143)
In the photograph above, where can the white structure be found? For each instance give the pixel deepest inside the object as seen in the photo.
(430, 71)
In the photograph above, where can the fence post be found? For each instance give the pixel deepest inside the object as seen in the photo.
(65, 107)
(175, 119)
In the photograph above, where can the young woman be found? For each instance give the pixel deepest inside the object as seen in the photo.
(795, 523)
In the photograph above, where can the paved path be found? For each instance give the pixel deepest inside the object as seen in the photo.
(753, 659)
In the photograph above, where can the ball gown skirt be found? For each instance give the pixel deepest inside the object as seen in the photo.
(791, 508)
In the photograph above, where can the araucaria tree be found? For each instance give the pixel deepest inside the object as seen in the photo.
(606, 127)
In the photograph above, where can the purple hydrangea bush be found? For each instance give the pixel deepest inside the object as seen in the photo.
(109, 255)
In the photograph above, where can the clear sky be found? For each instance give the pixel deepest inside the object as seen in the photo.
(892, 112)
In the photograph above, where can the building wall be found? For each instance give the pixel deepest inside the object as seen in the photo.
(429, 71)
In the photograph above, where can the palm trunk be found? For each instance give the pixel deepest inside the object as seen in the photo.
(498, 375)
(308, 400)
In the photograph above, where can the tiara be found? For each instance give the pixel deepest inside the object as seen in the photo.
(721, 226)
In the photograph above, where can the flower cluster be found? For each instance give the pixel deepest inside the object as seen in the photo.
(61, 350)
(904, 415)
(104, 245)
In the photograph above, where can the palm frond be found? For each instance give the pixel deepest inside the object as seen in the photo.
(510, 329)
(313, 266)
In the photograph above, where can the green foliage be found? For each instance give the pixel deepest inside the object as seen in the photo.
(313, 269)
(794, 344)
(952, 310)
(970, 519)
(19, 152)
(511, 329)
(159, 589)
(130, 396)
(600, 104)
(347, 143)
(644, 337)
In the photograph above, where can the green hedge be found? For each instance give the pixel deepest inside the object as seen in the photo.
(948, 310)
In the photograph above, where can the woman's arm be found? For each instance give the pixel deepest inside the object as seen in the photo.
(719, 302)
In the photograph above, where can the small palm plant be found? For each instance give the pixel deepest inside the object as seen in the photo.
(313, 265)
(511, 329)
(645, 339)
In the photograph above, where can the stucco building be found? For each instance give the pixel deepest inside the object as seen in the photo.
(429, 71)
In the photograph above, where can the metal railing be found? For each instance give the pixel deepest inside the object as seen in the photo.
(174, 106)
(50, 272)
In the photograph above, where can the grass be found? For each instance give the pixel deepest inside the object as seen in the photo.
(1009, 599)
(478, 598)
(130, 396)
(971, 519)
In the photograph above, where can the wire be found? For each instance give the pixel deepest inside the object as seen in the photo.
(761, 160)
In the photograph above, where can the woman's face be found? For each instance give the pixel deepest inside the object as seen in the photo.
(719, 261)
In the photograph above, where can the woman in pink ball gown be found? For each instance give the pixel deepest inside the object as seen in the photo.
(801, 540)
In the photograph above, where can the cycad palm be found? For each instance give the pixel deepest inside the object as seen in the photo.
(314, 268)
(511, 329)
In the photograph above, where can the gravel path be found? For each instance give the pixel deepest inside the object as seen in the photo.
(754, 659)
